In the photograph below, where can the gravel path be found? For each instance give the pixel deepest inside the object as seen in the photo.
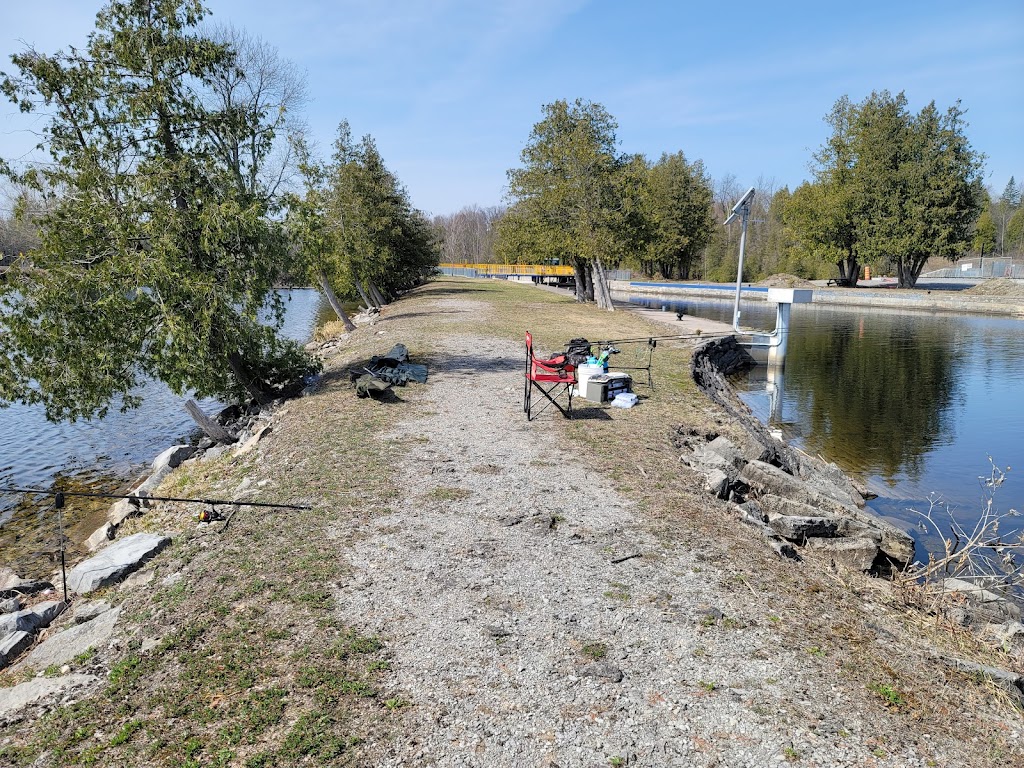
(517, 640)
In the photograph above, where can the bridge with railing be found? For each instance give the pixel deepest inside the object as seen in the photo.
(550, 274)
(505, 270)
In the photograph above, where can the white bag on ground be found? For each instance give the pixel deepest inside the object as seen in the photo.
(624, 400)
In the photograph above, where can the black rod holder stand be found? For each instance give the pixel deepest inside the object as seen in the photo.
(58, 503)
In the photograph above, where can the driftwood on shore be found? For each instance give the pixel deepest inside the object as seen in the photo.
(212, 429)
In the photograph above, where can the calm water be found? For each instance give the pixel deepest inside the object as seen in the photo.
(102, 455)
(911, 403)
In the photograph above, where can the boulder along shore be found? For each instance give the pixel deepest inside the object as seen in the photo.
(469, 588)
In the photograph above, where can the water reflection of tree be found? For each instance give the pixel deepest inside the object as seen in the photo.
(876, 402)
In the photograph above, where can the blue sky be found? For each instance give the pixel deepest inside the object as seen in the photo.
(450, 89)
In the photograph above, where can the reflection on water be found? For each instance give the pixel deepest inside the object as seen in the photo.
(911, 403)
(98, 455)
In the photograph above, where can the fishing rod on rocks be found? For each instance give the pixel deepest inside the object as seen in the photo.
(137, 499)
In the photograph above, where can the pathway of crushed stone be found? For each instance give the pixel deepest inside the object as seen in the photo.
(517, 640)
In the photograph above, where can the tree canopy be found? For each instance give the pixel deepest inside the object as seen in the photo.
(357, 232)
(575, 199)
(891, 188)
(155, 260)
(679, 207)
(566, 199)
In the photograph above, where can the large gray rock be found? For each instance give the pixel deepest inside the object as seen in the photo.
(717, 482)
(854, 554)
(11, 645)
(89, 610)
(768, 480)
(799, 529)
(150, 484)
(173, 457)
(122, 509)
(725, 448)
(988, 605)
(10, 605)
(12, 700)
(115, 562)
(8, 578)
(62, 647)
(19, 621)
(32, 587)
(100, 537)
(46, 612)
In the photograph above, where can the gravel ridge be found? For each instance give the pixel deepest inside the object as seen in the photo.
(533, 619)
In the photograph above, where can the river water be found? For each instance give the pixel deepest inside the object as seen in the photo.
(912, 403)
(102, 456)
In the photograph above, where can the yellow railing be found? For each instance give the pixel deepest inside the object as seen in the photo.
(543, 270)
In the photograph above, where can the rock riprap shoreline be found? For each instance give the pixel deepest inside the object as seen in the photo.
(27, 607)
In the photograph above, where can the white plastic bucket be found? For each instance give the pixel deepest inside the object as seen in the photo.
(585, 372)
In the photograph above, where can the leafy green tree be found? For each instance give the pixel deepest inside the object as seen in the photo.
(680, 211)
(918, 184)
(1006, 207)
(566, 198)
(153, 261)
(984, 240)
(1015, 232)
(357, 231)
(891, 188)
(312, 233)
(389, 244)
(823, 214)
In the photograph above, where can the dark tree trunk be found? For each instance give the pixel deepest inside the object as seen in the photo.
(601, 289)
(908, 273)
(243, 377)
(377, 295)
(332, 299)
(579, 267)
(849, 270)
(362, 294)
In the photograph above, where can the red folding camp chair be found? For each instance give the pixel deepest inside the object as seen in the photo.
(554, 379)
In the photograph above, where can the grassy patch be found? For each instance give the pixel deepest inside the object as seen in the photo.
(594, 651)
(449, 493)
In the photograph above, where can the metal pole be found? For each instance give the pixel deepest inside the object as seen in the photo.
(739, 269)
(58, 502)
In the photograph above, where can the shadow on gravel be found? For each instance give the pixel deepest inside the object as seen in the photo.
(407, 315)
(436, 291)
(474, 364)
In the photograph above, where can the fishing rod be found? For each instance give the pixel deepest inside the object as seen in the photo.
(60, 495)
(204, 516)
(647, 339)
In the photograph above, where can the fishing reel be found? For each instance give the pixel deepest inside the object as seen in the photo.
(211, 515)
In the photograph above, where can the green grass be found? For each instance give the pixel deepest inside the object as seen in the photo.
(446, 493)
(594, 651)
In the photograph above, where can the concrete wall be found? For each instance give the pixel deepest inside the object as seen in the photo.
(934, 301)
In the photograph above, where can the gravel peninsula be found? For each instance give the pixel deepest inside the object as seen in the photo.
(473, 589)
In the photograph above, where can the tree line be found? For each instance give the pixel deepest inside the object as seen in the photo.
(178, 193)
(889, 189)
